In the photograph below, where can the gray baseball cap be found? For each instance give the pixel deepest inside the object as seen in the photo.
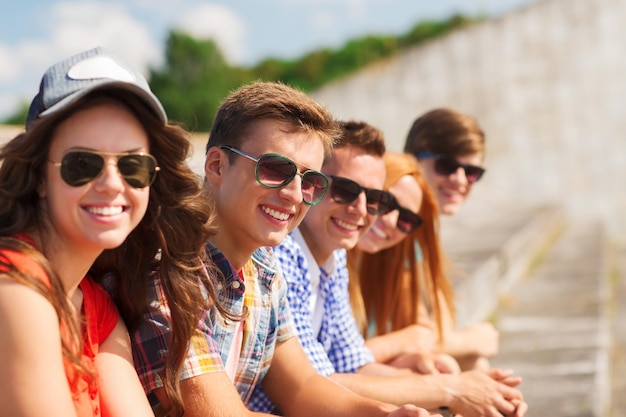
(72, 78)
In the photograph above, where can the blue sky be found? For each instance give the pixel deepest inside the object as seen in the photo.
(35, 33)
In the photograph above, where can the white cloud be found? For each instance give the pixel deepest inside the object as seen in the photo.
(71, 27)
(220, 23)
(10, 68)
(317, 2)
(324, 20)
(81, 25)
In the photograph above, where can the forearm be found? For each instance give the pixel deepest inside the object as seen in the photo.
(386, 347)
(337, 401)
(479, 340)
(459, 343)
(411, 339)
(453, 344)
(121, 393)
(299, 391)
(381, 369)
(209, 395)
(426, 391)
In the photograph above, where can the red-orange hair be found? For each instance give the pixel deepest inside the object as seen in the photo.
(387, 287)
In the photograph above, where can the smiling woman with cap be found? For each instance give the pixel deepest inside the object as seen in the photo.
(98, 181)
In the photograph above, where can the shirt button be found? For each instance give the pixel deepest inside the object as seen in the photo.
(236, 284)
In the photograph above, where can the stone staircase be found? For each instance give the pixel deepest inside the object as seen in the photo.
(556, 292)
(492, 251)
(555, 327)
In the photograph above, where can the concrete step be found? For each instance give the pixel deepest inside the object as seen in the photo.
(554, 327)
(618, 333)
(491, 247)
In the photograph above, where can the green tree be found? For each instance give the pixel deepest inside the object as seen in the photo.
(319, 67)
(194, 80)
(19, 117)
(430, 29)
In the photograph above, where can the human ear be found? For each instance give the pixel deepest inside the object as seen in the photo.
(213, 165)
(41, 188)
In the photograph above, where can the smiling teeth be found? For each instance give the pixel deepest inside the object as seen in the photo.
(378, 232)
(106, 211)
(348, 226)
(276, 214)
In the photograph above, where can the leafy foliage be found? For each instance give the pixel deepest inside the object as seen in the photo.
(194, 80)
(19, 117)
(323, 66)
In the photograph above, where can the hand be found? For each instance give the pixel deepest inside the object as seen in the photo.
(420, 362)
(427, 363)
(410, 411)
(504, 376)
(520, 408)
(477, 394)
(446, 364)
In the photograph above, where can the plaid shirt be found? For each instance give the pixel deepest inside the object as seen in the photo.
(269, 322)
(339, 346)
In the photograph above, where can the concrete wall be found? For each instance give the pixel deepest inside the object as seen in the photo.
(548, 85)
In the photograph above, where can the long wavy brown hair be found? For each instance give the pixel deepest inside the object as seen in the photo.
(169, 239)
(387, 287)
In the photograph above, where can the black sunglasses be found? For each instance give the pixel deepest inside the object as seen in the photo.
(447, 165)
(345, 191)
(277, 171)
(80, 167)
(407, 220)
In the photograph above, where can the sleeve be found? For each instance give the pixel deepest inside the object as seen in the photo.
(100, 312)
(347, 350)
(152, 339)
(286, 326)
(295, 270)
